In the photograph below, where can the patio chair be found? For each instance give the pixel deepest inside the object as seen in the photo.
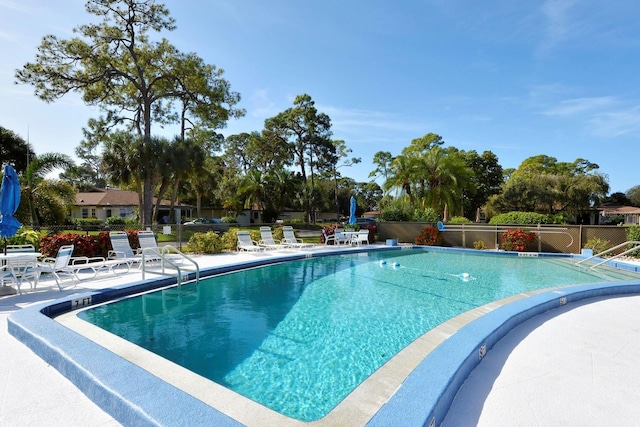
(20, 248)
(342, 238)
(328, 238)
(18, 269)
(245, 243)
(267, 241)
(121, 250)
(361, 238)
(290, 238)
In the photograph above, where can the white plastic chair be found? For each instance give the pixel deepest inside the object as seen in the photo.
(267, 241)
(290, 239)
(361, 238)
(245, 243)
(121, 250)
(341, 238)
(328, 238)
(19, 269)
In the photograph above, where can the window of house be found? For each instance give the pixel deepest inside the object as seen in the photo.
(93, 213)
(108, 213)
(85, 213)
(256, 215)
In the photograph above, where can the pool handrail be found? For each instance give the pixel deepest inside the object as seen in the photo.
(629, 242)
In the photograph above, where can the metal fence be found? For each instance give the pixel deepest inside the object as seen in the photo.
(550, 238)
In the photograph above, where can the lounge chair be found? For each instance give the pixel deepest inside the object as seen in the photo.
(148, 243)
(267, 241)
(290, 239)
(245, 243)
(65, 263)
(121, 250)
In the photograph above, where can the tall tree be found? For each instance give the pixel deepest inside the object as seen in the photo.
(133, 80)
(307, 135)
(14, 150)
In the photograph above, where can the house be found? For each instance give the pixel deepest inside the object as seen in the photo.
(628, 215)
(102, 203)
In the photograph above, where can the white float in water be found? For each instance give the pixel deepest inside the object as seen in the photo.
(383, 263)
(396, 264)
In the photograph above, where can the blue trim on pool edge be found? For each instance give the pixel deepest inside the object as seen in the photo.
(130, 394)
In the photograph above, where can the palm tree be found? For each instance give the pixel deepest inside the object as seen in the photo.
(403, 173)
(46, 195)
(443, 177)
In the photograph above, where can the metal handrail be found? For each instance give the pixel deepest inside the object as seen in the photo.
(162, 254)
(630, 242)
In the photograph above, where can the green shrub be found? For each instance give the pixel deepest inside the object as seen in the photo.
(229, 239)
(478, 244)
(229, 219)
(598, 245)
(517, 239)
(205, 243)
(425, 215)
(278, 234)
(116, 220)
(633, 234)
(25, 237)
(460, 220)
(428, 236)
(522, 218)
(395, 213)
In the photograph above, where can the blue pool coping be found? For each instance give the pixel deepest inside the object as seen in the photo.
(131, 395)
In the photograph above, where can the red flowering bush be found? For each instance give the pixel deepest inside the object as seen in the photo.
(516, 239)
(84, 244)
(429, 236)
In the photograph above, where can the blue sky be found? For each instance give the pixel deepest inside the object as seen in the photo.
(518, 78)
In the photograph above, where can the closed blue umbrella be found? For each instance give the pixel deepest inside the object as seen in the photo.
(352, 211)
(9, 202)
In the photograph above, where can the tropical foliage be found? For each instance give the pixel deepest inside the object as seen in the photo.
(428, 236)
(517, 239)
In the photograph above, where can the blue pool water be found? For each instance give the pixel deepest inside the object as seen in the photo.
(299, 336)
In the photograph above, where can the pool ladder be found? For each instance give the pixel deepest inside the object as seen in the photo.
(635, 245)
(169, 261)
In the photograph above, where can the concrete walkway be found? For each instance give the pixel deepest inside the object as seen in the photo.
(577, 365)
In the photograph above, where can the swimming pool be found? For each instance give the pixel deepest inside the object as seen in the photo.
(299, 336)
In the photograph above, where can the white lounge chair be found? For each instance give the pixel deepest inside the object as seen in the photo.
(121, 250)
(290, 239)
(245, 243)
(59, 265)
(267, 241)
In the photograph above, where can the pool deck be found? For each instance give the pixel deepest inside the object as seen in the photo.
(575, 365)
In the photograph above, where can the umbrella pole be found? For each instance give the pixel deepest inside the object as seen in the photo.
(5, 245)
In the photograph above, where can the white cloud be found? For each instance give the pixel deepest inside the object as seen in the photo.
(581, 105)
(604, 117)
